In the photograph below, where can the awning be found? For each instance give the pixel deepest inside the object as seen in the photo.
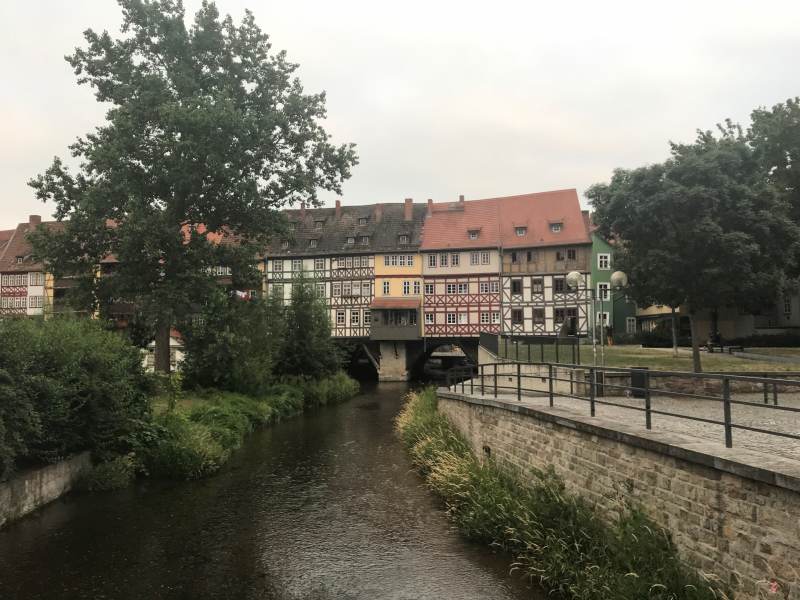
(398, 303)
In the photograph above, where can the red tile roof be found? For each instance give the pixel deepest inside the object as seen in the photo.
(18, 245)
(384, 302)
(449, 224)
(537, 213)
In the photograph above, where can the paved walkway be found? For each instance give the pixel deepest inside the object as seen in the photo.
(760, 416)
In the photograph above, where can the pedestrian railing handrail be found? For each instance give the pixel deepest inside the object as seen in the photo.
(588, 384)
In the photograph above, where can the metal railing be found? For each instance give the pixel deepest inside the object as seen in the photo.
(592, 385)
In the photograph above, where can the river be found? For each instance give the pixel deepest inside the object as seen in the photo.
(322, 507)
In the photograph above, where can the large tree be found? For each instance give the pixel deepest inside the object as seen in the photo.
(207, 134)
(703, 230)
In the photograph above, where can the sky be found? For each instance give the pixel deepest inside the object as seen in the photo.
(483, 99)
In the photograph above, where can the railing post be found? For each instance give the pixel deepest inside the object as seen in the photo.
(541, 350)
(529, 352)
(519, 382)
(766, 392)
(775, 394)
(591, 390)
(483, 389)
(462, 382)
(648, 417)
(726, 405)
(550, 381)
(471, 382)
(557, 351)
(495, 380)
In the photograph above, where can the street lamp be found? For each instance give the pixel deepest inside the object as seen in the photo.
(574, 280)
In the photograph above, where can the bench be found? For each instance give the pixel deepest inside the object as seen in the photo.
(721, 348)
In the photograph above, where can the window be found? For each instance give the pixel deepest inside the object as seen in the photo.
(348, 262)
(572, 254)
(320, 288)
(630, 324)
(402, 239)
(19, 260)
(364, 240)
(474, 258)
(517, 316)
(355, 317)
(410, 260)
(455, 259)
(35, 301)
(297, 264)
(285, 244)
(516, 286)
(602, 318)
(538, 316)
(484, 258)
(401, 260)
(531, 256)
(347, 288)
(431, 260)
(451, 288)
(559, 285)
(559, 255)
(385, 288)
(416, 288)
(556, 227)
(340, 320)
(429, 318)
(463, 288)
(36, 278)
(443, 260)
(484, 318)
(367, 317)
(521, 231)
(463, 318)
(494, 287)
(356, 290)
(351, 240)
(495, 318)
(787, 306)
(451, 318)
(366, 288)
(319, 224)
(483, 287)
(393, 261)
(312, 243)
(604, 262)
(473, 234)
(277, 290)
(362, 220)
(558, 315)
(336, 288)
(319, 264)
(537, 285)
(513, 257)
(429, 288)
(406, 288)
(602, 291)
(386, 260)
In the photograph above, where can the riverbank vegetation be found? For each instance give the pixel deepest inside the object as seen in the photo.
(557, 540)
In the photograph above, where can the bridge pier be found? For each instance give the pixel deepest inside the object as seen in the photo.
(393, 364)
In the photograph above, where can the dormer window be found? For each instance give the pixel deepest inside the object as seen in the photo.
(363, 240)
(473, 234)
(521, 231)
(285, 244)
(312, 243)
(319, 224)
(362, 220)
(402, 239)
(19, 260)
(351, 240)
(556, 227)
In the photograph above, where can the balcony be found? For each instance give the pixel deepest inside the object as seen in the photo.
(394, 319)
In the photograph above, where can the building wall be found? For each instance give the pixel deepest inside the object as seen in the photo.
(544, 310)
(739, 523)
(392, 270)
(23, 294)
(488, 261)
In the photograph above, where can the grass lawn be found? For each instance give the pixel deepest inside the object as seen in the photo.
(785, 352)
(656, 358)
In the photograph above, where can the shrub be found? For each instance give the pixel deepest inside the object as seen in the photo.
(557, 539)
(330, 390)
(114, 474)
(184, 449)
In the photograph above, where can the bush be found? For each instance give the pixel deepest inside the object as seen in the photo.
(184, 449)
(330, 390)
(778, 340)
(67, 385)
(557, 539)
(117, 473)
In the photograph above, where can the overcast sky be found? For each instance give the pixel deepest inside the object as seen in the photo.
(446, 98)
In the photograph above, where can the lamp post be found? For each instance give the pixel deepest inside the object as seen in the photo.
(617, 282)
(574, 280)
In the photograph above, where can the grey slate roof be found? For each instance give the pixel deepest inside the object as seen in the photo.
(383, 230)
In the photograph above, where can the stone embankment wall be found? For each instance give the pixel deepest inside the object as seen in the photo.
(28, 491)
(729, 518)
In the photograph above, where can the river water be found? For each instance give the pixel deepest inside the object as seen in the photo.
(321, 507)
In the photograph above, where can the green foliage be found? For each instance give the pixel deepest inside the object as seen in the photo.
(557, 540)
(114, 474)
(184, 449)
(308, 349)
(67, 385)
(330, 390)
(208, 131)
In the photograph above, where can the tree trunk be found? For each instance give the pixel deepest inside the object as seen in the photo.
(162, 362)
(674, 334)
(695, 345)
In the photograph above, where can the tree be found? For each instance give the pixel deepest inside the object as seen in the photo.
(702, 230)
(308, 349)
(208, 134)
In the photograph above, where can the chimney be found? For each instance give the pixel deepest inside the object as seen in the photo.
(408, 210)
(430, 206)
(34, 220)
(461, 197)
(338, 209)
(378, 212)
(303, 210)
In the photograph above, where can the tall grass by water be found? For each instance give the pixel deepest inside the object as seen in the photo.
(557, 540)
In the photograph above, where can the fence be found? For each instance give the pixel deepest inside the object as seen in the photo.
(598, 385)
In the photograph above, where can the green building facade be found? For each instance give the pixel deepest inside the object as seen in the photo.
(611, 307)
